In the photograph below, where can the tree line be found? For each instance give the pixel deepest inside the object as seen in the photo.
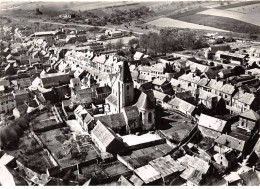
(170, 40)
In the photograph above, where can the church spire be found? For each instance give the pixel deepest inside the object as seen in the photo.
(125, 74)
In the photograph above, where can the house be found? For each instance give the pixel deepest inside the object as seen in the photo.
(142, 172)
(84, 118)
(75, 83)
(167, 167)
(138, 55)
(114, 121)
(102, 93)
(212, 127)
(9, 69)
(160, 97)
(225, 143)
(106, 140)
(7, 103)
(182, 107)
(54, 80)
(24, 83)
(208, 99)
(249, 121)
(227, 92)
(223, 47)
(231, 57)
(254, 51)
(21, 96)
(226, 73)
(20, 111)
(214, 86)
(191, 79)
(196, 170)
(242, 102)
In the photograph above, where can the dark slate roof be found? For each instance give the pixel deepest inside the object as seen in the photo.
(146, 86)
(125, 74)
(103, 90)
(62, 92)
(131, 112)
(222, 47)
(113, 120)
(146, 101)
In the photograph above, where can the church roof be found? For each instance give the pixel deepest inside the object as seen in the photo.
(125, 74)
(146, 101)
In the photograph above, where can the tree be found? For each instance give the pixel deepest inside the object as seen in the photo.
(239, 70)
(119, 44)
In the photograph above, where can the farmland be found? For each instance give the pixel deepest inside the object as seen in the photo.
(168, 22)
(223, 23)
(252, 17)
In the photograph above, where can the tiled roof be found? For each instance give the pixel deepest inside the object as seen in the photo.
(212, 123)
(231, 142)
(250, 115)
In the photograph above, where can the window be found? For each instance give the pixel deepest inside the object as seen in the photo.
(149, 117)
(140, 116)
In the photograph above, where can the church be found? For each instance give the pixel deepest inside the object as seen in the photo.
(121, 100)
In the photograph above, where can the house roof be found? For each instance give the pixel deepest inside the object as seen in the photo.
(103, 90)
(250, 178)
(231, 142)
(159, 81)
(190, 78)
(159, 95)
(222, 47)
(205, 95)
(247, 98)
(136, 180)
(203, 82)
(166, 165)
(106, 136)
(227, 88)
(125, 74)
(250, 114)
(138, 55)
(147, 173)
(113, 121)
(195, 163)
(183, 105)
(55, 78)
(212, 123)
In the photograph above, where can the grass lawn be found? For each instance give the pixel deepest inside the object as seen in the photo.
(222, 23)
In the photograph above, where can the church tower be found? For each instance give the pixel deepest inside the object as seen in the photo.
(125, 86)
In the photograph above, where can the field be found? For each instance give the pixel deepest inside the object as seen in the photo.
(223, 23)
(168, 22)
(251, 17)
